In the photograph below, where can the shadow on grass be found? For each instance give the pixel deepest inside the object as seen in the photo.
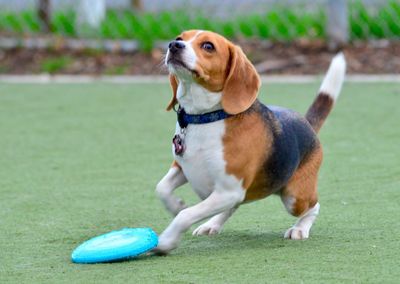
(232, 241)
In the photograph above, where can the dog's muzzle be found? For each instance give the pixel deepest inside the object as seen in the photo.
(175, 50)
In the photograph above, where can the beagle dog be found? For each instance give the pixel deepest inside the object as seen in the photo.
(230, 147)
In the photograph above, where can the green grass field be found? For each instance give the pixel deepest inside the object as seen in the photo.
(81, 160)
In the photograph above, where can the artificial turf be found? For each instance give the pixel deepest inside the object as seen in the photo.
(81, 160)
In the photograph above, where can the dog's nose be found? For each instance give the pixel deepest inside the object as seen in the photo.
(176, 45)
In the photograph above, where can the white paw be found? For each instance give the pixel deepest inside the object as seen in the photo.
(207, 230)
(165, 246)
(296, 233)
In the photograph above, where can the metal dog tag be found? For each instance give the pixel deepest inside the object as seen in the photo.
(179, 144)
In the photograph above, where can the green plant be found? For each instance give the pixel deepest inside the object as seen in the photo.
(64, 23)
(379, 23)
(116, 70)
(52, 65)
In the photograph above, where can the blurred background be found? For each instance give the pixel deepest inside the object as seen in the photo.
(118, 37)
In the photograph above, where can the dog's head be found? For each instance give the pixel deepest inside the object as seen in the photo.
(216, 64)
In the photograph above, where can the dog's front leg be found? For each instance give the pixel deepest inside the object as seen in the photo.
(165, 188)
(217, 202)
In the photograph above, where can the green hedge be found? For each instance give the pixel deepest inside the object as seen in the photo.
(277, 24)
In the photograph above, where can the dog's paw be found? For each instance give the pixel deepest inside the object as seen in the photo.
(207, 230)
(165, 245)
(296, 233)
(159, 252)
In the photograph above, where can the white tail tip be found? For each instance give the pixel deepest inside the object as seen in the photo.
(333, 81)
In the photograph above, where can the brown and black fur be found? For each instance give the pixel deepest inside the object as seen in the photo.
(291, 152)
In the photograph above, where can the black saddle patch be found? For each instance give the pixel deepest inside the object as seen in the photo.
(293, 140)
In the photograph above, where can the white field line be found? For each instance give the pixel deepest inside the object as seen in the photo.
(163, 79)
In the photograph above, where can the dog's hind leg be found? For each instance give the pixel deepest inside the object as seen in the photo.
(165, 188)
(300, 196)
(215, 224)
(301, 229)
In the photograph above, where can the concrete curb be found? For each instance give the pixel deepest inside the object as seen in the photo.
(163, 79)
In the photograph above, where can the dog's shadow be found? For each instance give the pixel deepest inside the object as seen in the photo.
(235, 240)
(227, 241)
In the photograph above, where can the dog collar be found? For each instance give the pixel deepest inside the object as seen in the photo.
(185, 119)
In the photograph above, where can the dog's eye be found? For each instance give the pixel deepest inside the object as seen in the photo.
(208, 46)
(179, 38)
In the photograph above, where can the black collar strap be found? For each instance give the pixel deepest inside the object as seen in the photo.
(185, 119)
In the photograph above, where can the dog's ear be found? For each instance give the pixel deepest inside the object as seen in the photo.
(242, 82)
(174, 87)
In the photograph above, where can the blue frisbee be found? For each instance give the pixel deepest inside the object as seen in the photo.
(116, 246)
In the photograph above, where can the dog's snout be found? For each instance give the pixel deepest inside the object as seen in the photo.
(176, 45)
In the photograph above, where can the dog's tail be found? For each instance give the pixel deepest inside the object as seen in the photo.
(328, 93)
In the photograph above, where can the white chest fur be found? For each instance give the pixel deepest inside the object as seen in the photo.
(196, 99)
(202, 162)
(203, 159)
